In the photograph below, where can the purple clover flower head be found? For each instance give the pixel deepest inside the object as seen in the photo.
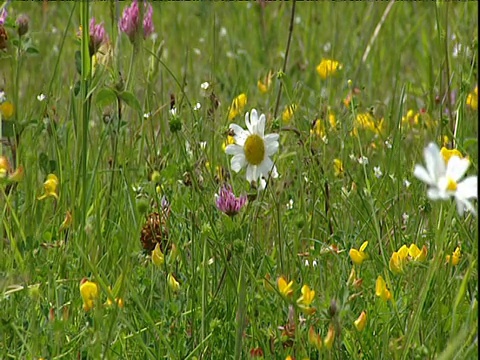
(228, 203)
(148, 27)
(130, 21)
(3, 16)
(98, 36)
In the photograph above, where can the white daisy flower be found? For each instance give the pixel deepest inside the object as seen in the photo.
(443, 178)
(252, 148)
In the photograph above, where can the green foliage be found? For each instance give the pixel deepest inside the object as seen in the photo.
(408, 70)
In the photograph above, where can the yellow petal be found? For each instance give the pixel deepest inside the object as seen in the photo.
(361, 321)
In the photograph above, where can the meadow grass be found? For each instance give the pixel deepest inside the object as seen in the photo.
(406, 77)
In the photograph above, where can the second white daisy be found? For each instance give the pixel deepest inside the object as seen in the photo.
(252, 148)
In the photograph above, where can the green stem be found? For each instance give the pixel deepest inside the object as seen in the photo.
(85, 111)
(284, 69)
(240, 313)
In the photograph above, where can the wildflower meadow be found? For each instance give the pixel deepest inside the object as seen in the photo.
(259, 179)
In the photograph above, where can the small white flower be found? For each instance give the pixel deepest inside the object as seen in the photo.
(290, 204)
(3, 98)
(205, 85)
(223, 32)
(388, 144)
(252, 148)
(314, 263)
(203, 145)
(443, 179)
(377, 171)
(146, 115)
(197, 106)
(405, 217)
(197, 51)
(352, 157)
(327, 47)
(406, 183)
(173, 111)
(298, 20)
(307, 263)
(363, 160)
(41, 97)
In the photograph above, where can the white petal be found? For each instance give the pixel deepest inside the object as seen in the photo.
(252, 173)
(272, 147)
(435, 194)
(234, 149)
(434, 161)
(420, 173)
(467, 189)
(251, 121)
(274, 173)
(238, 162)
(261, 125)
(457, 167)
(265, 167)
(271, 137)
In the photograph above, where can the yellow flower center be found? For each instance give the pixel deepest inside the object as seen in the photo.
(254, 149)
(451, 184)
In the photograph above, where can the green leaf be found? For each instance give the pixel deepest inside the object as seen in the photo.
(131, 101)
(105, 97)
(32, 50)
(78, 62)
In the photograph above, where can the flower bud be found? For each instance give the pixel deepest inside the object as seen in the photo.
(22, 24)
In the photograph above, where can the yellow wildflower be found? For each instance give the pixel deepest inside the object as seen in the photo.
(264, 86)
(329, 339)
(4, 167)
(50, 187)
(173, 283)
(66, 222)
(284, 287)
(288, 113)
(454, 259)
(361, 322)
(338, 169)
(306, 300)
(398, 260)
(6, 110)
(238, 104)
(332, 119)
(366, 121)
(381, 289)
(118, 301)
(230, 140)
(416, 254)
(318, 128)
(358, 256)
(89, 292)
(447, 154)
(328, 68)
(472, 99)
(410, 119)
(157, 256)
(314, 338)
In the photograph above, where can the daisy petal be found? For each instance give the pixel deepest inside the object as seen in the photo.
(261, 125)
(265, 167)
(233, 149)
(252, 173)
(467, 189)
(272, 147)
(457, 167)
(422, 174)
(238, 162)
(434, 161)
